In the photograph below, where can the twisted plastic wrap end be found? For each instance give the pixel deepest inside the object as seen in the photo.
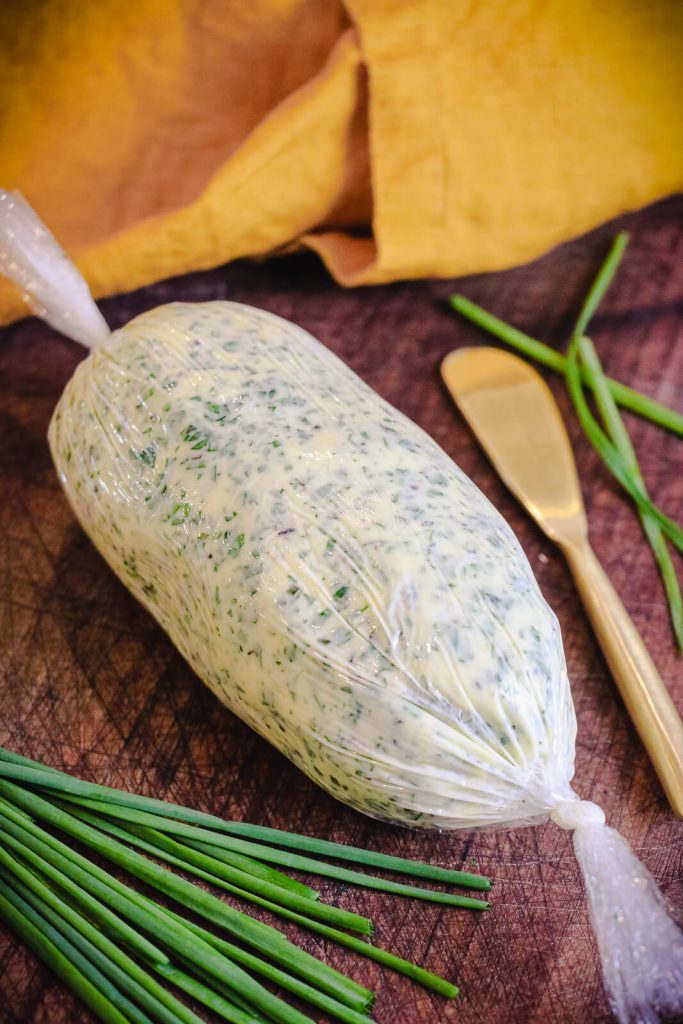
(641, 947)
(49, 282)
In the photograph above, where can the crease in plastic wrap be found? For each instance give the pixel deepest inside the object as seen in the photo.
(346, 590)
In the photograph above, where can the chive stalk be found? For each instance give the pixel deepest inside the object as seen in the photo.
(222, 876)
(152, 996)
(207, 906)
(269, 874)
(71, 873)
(287, 981)
(90, 967)
(622, 442)
(32, 773)
(601, 283)
(110, 962)
(186, 944)
(113, 981)
(644, 406)
(33, 934)
(610, 454)
(130, 904)
(222, 1003)
(49, 888)
(346, 1015)
(213, 844)
(616, 444)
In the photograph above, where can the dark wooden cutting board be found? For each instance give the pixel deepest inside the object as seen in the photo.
(89, 682)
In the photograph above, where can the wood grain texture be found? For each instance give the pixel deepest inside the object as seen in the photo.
(89, 682)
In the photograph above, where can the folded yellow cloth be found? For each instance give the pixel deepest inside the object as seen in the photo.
(397, 138)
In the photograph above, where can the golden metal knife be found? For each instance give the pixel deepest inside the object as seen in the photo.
(516, 420)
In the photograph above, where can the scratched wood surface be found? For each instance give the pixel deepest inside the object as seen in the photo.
(89, 682)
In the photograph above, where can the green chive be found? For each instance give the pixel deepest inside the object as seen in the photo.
(32, 860)
(603, 280)
(221, 875)
(287, 981)
(22, 769)
(206, 906)
(213, 844)
(269, 874)
(71, 872)
(32, 932)
(188, 945)
(141, 986)
(268, 940)
(627, 397)
(581, 368)
(622, 442)
(108, 977)
(224, 1007)
(610, 454)
(108, 965)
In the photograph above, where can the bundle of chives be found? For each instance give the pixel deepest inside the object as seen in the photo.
(279, 977)
(54, 858)
(207, 845)
(126, 902)
(644, 406)
(108, 941)
(582, 369)
(614, 446)
(621, 448)
(132, 980)
(32, 773)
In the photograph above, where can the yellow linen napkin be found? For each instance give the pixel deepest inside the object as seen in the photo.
(397, 138)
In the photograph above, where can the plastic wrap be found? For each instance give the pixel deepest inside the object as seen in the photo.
(345, 589)
(50, 284)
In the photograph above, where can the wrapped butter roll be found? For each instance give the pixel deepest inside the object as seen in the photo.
(321, 563)
(339, 584)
